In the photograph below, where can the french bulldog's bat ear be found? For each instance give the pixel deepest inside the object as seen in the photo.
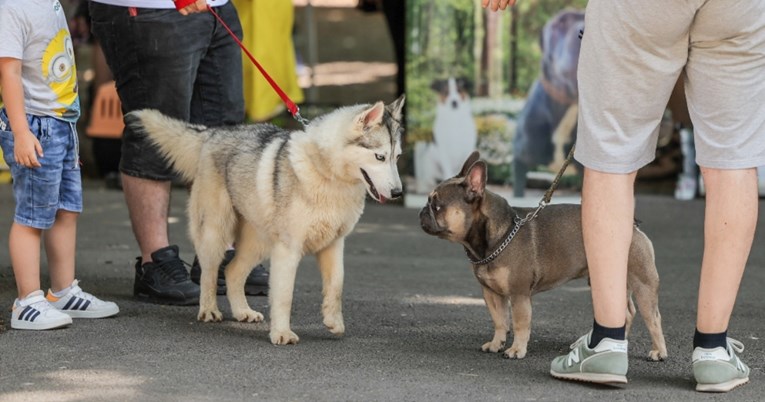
(476, 179)
(371, 117)
(473, 158)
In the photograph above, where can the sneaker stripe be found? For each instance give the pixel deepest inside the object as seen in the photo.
(77, 303)
(29, 314)
(69, 303)
(85, 305)
(26, 313)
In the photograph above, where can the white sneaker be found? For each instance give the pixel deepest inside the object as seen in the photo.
(80, 304)
(36, 313)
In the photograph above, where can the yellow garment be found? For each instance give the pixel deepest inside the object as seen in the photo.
(267, 27)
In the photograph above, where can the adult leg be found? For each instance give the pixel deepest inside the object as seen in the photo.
(729, 224)
(608, 205)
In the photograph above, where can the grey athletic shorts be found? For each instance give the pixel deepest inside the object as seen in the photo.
(633, 53)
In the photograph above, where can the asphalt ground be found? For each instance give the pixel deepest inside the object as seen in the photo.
(414, 318)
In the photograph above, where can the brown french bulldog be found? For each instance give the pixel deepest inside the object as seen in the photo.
(541, 254)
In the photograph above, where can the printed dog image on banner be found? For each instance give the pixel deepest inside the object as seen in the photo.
(454, 135)
(468, 73)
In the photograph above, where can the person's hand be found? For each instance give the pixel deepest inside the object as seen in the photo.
(495, 5)
(199, 6)
(26, 148)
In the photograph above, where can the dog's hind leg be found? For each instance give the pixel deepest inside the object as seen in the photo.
(284, 263)
(647, 297)
(643, 280)
(630, 313)
(211, 220)
(500, 315)
(521, 308)
(331, 266)
(248, 254)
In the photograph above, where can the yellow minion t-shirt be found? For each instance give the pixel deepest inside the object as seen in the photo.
(36, 32)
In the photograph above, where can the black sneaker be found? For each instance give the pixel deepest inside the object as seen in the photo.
(255, 285)
(165, 279)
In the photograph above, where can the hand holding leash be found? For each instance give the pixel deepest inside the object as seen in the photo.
(187, 7)
(495, 5)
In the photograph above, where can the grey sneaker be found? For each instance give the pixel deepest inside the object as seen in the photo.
(719, 369)
(605, 364)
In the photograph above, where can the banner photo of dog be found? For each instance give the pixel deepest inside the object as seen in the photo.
(503, 84)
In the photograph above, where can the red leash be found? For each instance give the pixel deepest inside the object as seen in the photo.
(291, 106)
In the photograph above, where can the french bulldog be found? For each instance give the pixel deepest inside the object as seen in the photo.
(542, 253)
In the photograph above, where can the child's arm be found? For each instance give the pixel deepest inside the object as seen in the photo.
(26, 146)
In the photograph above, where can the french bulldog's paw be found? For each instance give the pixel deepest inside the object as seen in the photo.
(514, 352)
(210, 315)
(248, 315)
(493, 346)
(286, 337)
(334, 324)
(656, 356)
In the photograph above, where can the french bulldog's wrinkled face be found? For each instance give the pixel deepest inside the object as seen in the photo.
(453, 203)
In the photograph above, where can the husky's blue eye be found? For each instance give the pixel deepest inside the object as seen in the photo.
(380, 158)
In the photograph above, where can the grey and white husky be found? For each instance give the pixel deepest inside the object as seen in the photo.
(280, 194)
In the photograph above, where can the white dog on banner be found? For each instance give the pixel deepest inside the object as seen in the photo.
(454, 136)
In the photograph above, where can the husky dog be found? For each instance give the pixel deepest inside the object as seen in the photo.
(280, 194)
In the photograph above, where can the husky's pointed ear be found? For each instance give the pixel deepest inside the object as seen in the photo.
(397, 106)
(371, 117)
(476, 180)
(473, 158)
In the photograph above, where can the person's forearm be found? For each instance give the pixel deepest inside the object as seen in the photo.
(13, 94)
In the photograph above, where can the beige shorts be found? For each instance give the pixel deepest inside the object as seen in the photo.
(633, 53)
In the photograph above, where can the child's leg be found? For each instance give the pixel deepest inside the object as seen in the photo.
(60, 242)
(24, 245)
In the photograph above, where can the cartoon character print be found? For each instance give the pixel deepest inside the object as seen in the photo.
(59, 70)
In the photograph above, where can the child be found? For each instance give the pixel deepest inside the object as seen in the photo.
(39, 143)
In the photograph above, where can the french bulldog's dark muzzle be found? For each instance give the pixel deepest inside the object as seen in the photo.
(428, 221)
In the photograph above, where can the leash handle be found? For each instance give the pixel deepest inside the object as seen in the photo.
(291, 106)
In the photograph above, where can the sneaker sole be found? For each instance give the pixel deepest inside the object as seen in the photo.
(17, 324)
(92, 314)
(723, 386)
(170, 302)
(598, 378)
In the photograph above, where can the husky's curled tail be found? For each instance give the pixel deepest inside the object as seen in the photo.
(179, 142)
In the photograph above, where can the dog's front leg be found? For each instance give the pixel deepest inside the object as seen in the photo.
(500, 315)
(284, 263)
(331, 266)
(521, 308)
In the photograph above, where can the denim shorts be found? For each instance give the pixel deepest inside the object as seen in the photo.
(187, 67)
(57, 184)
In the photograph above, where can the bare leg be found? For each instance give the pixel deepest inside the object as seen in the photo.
(148, 202)
(60, 241)
(608, 203)
(24, 245)
(729, 225)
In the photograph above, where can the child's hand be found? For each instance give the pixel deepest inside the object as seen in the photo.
(26, 148)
